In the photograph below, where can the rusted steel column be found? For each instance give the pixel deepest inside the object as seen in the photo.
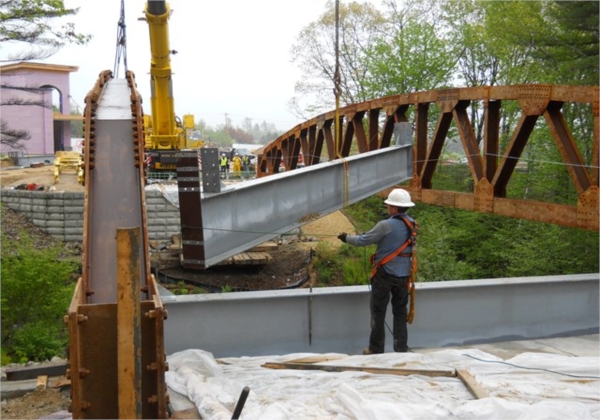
(190, 210)
(491, 130)
(106, 340)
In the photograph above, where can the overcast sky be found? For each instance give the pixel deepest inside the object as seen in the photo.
(233, 55)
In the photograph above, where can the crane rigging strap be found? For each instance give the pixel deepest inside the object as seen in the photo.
(121, 51)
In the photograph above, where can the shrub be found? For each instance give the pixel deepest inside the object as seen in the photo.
(325, 263)
(36, 290)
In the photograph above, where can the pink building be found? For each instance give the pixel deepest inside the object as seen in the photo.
(49, 130)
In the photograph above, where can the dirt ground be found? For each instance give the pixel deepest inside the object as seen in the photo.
(37, 405)
(42, 177)
(289, 267)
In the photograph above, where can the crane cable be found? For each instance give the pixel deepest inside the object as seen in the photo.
(121, 43)
(337, 91)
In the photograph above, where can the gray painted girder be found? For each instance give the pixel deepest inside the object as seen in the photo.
(259, 210)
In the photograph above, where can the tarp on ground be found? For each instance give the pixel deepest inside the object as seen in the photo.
(528, 386)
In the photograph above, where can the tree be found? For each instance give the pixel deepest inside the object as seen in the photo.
(569, 42)
(12, 137)
(29, 22)
(411, 54)
(315, 54)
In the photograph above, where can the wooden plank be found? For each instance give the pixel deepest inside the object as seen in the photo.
(163, 265)
(41, 383)
(59, 383)
(472, 385)
(129, 333)
(317, 359)
(265, 247)
(247, 258)
(169, 253)
(176, 239)
(381, 371)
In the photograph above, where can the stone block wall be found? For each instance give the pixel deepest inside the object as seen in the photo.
(61, 213)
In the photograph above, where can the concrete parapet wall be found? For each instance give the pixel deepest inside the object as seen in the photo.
(61, 213)
(337, 319)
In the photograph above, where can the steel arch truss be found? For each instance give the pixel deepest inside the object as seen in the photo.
(369, 126)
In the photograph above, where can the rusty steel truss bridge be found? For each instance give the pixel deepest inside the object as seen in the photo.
(369, 126)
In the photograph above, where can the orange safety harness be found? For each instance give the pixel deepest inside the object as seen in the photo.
(410, 241)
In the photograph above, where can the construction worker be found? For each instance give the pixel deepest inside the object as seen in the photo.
(246, 164)
(237, 166)
(392, 263)
(224, 165)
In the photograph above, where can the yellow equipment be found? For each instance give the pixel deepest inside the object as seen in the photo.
(68, 160)
(164, 132)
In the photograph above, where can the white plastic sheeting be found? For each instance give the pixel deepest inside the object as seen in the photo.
(169, 192)
(528, 386)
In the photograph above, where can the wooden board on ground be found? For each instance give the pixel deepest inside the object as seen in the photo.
(265, 247)
(472, 385)
(382, 371)
(166, 259)
(251, 258)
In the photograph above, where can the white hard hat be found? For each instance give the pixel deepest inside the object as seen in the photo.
(399, 198)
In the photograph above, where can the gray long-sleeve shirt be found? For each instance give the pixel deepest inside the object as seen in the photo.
(388, 234)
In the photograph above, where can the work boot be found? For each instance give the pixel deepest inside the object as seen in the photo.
(367, 351)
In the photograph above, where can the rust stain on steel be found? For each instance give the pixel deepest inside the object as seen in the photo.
(129, 336)
(485, 158)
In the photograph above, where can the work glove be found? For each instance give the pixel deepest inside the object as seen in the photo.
(342, 237)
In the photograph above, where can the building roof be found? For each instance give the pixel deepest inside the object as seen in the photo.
(28, 65)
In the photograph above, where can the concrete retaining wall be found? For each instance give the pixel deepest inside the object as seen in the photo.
(337, 319)
(61, 213)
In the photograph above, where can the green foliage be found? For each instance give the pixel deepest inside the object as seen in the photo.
(411, 58)
(226, 289)
(354, 274)
(366, 213)
(36, 290)
(39, 341)
(455, 244)
(314, 52)
(416, 45)
(5, 358)
(453, 177)
(324, 263)
(437, 256)
(181, 289)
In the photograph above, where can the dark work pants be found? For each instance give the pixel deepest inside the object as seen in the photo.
(382, 286)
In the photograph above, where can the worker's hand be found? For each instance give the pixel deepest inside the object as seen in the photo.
(342, 237)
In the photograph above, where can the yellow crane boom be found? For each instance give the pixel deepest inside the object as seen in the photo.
(165, 133)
